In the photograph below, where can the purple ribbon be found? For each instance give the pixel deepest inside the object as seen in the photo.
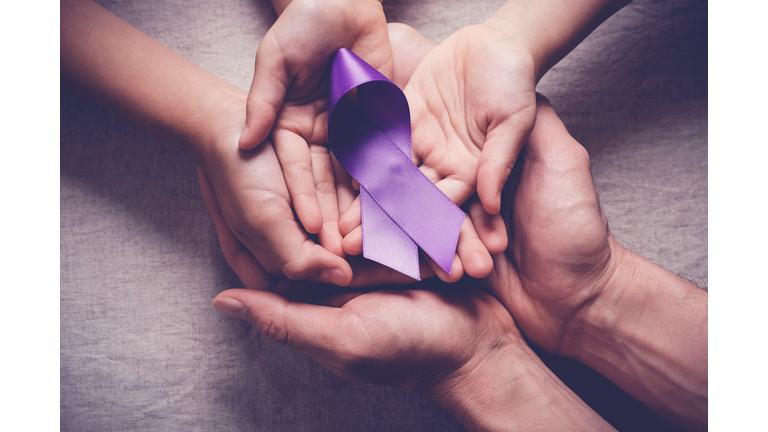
(401, 208)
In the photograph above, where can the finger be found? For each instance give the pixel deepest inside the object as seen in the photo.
(329, 235)
(351, 219)
(300, 258)
(261, 217)
(345, 193)
(502, 145)
(490, 228)
(370, 273)
(353, 242)
(552, 146)
(296, 160)
(457, 269)
(458, 190)
(267, 93)
(475, 259)
(320, 331)
(338, 300)
(242, 261)
(549, 132)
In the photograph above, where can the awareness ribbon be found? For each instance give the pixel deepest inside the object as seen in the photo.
(401, 208)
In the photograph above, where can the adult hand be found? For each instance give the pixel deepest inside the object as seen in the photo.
(289, 92)
(576, 292)
(454, 342)
(561, 253)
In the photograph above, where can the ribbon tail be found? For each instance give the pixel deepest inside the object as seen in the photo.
(384, 241)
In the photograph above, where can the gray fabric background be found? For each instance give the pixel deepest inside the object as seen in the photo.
(141, 348)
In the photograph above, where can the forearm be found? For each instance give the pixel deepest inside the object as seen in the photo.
(551, 29)
(128, 71)
(511, 389)
(648, 334)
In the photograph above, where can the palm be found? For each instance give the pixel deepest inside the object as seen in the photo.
(407, 338)
(289, 94)
(472, 102)
(253, 199)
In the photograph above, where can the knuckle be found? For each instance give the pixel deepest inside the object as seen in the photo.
(275, 333)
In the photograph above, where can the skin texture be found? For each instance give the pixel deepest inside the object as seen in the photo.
(457, 343)
(569, 286)
(574, 291)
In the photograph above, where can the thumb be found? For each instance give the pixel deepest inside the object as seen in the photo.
(266, 95)
(502, 145)
(330, 335)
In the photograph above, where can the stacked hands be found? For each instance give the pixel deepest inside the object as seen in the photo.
(472, 103)
(535, 241)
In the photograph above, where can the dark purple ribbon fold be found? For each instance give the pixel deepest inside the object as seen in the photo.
(401, 208)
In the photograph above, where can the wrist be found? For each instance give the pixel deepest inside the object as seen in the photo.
(509, 388)
(226, 115)
(552, 28)
(647, 332)
(592, 316)
(516, 21)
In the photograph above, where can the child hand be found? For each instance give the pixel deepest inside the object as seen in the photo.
(246, 192)
(288, 96)
(475, 241)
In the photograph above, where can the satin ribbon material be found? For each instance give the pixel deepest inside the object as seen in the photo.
(401, 208)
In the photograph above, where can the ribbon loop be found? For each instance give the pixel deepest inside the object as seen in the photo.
(400, 206)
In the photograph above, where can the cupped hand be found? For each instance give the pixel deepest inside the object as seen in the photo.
(414, 338)
(245, 192)
(288, 97)
(473, 104)
(560, 254)
(444, 150)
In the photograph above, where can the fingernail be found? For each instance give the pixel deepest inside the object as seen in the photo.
(243, 134)
(230, 306)
(334, 276)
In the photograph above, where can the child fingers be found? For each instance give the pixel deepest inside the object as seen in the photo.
(502, 146)
(329, 235)
(296, 161)
(351, 219)
(490, 228)
(266, 95)
(475, 259)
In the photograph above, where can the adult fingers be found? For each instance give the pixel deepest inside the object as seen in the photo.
(332, 336)
(549, 135)
(297, 163)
